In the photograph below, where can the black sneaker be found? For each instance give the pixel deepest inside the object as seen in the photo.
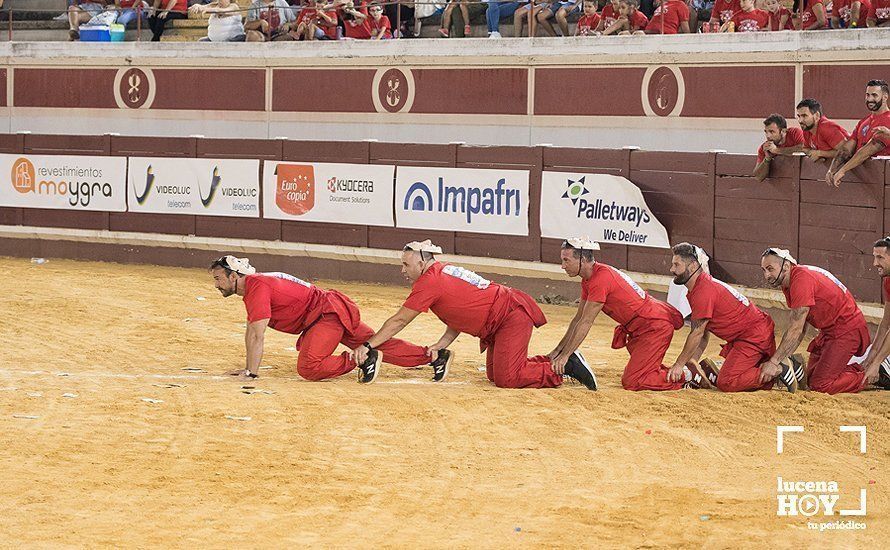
(441, 364)
(788, 377)
(884, 374)
(577, 368)
(710, 369)
(697, 380)
(798, 363)
(368, 371)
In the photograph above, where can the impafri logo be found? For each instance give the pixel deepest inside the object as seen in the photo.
(469, 201)
(295, 188)
(77, 184)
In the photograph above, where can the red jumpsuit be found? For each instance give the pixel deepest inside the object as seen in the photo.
(501, 317)
(645, 326)
(324, 319)
(749, 332)
(843, 333)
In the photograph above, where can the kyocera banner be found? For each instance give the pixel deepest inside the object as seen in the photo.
(462, 199)
(606, 208)
(336, 193)
(203, 187)
(69, 182)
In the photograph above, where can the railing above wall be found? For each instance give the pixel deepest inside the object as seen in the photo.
(709, 199)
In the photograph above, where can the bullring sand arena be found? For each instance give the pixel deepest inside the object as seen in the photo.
(108, 441)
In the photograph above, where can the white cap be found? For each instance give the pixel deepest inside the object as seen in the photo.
(240, 266)
(782, 253)
(700, 255)
(424, 246)
(583, 242)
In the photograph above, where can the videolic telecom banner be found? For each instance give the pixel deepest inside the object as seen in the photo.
(337, 193)
(64, 182)
(202, 187)
(607, 208)
(462, 199)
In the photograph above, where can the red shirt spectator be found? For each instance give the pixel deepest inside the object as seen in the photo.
(750, 21)
(832, 308)
(843, 10)
(775, 18)
(808, 18)
(587, 24)
(865, 131)
(354, 28)
(609, 14)
(638, 21)
(668, 17)
(827, 136)
(880, 11)
(723, 10)
(793, 136)
(380, 24)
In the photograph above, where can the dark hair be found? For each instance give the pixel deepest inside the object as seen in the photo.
(584, 253)
(685, 251)
(882, 83)
(223, 263)
(423, 255)
(811, 104)
(884, 242)
(776, 119)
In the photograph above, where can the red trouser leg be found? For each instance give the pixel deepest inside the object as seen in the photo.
(395, 352)
(319, 341)
(508, 361)
(740, 370)
(828, 365)
(647, 347)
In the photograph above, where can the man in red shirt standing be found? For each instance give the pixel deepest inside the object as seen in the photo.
(501, 317)
(879, 14)
(645, 325)
(822, 137)
(780, 140)
(719, 309)
(877, 361)
(670, 17)
(867, 141)
(817, 297)
(322, 318)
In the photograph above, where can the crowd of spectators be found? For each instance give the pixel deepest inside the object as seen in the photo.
(282, 20)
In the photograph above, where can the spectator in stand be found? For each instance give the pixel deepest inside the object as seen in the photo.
(590, 21)
(630, 21)
(813, 17)
(444, 30)
(559, 10)
(747, 19)
(779, 16)
(670, 17)
(869, 138)
(700, 13)
(498, 10)
(609, 15)
(849, 14)
(225, 23)
(164, 11)
(271, 19)
(379, 23)
(318, 23)
(521, 15)
(80, 13)
(879, 14)
(723, 11)
(127, 11)
(822, 137)
(355, 21)
(780, 140)
(407, 11)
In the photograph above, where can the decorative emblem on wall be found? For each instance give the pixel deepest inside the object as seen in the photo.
(392, 90)
(134, 88)
(663, 91)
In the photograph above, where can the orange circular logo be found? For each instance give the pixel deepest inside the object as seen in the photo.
(23, 175)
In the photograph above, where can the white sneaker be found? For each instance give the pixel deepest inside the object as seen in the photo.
(494, 34)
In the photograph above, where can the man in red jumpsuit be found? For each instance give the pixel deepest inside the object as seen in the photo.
(719, 309)
(322, 318)
(817, 297)
(877, 362)
(501, 317)
(645, 325)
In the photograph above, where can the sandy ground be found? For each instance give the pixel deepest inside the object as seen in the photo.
(400, 463)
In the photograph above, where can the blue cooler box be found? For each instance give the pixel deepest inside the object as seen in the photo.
(117, 33)
(96, 33)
